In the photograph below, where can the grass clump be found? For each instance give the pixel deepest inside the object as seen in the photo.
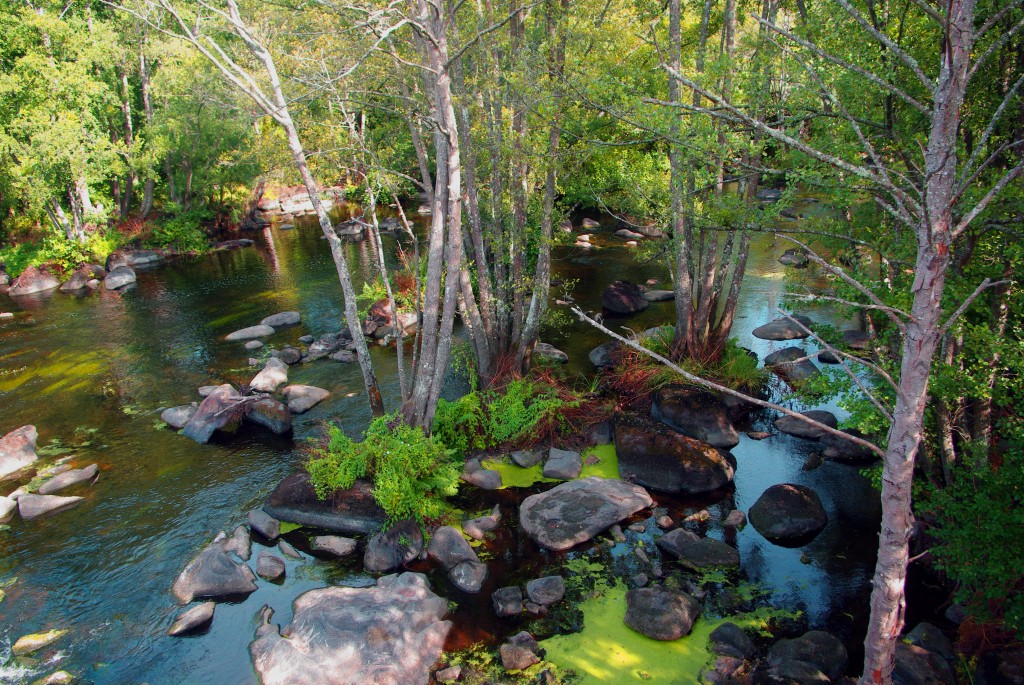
(412, 474)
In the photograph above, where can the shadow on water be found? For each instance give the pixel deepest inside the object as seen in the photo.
(93, 373)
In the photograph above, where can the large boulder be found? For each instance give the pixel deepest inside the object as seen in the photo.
(450, 549)
(840, 449)
(816, 649)
(918, 666)
(282, 319)
(801, 429)
(794, 257)
(223, 408)
(302, 398)
(344, 511)
(18, 450)
(193, 619)
(574, 512)
(788, 513)
(783, 329)
(214, 573)
(119, 278)
(623, 297)
(141, 257)
(790, 365)
(391, 549)
(274, 373)
(250, 333)
(704, 554)
(657, 457)
(68, 479)
(271, 414)
(696, 413)
(603, 356)
(392, 633)
(33, 280)
(77, 282)
(33, 506)
(659, 613)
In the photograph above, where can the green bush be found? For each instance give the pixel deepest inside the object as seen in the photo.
(57, 250)
(412, 473)
(182, 232)
(978, 523)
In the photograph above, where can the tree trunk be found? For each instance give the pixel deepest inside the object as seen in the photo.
(147, 108)
(129, 140)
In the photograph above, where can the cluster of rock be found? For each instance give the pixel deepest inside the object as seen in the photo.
(38, 498)
(295, 201)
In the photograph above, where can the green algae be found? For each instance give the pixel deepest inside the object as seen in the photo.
(512, 476)
(607, 651)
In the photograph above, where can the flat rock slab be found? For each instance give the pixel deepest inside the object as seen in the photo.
(251, 333)
(788, 513)
(794, 426)
(18, 450)
(789, 365)
(345, 511)
(659, 613)
(119, 278)
(783, 329)
(574, 512)
(33, 506)
(657, 457)
(282, 319)
(177, 417)
(705, 553)
(192, 619)
(696, 414)
(68, 479)
(274, 373)
(393, 632)
(213, 573)
(264, 524)
(334, 545)
(563, 464)
(302, 398)
(659, 295)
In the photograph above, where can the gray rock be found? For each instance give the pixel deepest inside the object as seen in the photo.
(673, 541)
(302, 398)
(141, 257)
(350, 511)
(476, 528)
(485, 479)
(393, 632)
(7, 509)
(449, 548)
(251, 333)
(264, 524)
(794, 257)
(660, 614)
(822, 651)
(68, 479)
(623, 297)
(590, 224)
(735, 519)
(17, 450)
(784, 363)
(214, 573)
(516, 658)
(345, 357)
(794, 426)
(274, 373)
(282, 319)
(289, 355)
(929, 637)
(783, 329)
(449, 675)
(239, 543)
(306, 339)
(769, 194)
(628, 234)
(206, 390)
(223, 408)
(695, 413)
(527, 458)
(729, 639)
(788, 512)
(33, 506)
(468, 576)
(333, 544)
(192, 619)
(919, 666)
(839, 449)
(546, 591)
(703, 554)
(323, 348)
(270, 414)
(270, 567)
(563, 464)
(576, 511)
(602, 356)
(288, 550)
(253, 345)
(177, 417)
(659, 295)
(508, 601)
(119, 278)
(79, 281)
(856, 340)
(393, 548)
(32, 280)
(546, 351)
(655, 456)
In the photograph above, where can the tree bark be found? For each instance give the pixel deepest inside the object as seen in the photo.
(149, 188)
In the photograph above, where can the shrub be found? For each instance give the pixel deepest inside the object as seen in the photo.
(412, 473)
(182, 232)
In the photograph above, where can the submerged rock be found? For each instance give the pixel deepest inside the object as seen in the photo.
(477, 527)
(507, 601)
(794, 426)
(192, 619)
(250, 333)
(68, 479)
(730, 640)
(283, 319)
(344, 511)
(790, 365)
(33, 506)
(18, 450)
(393, 632)
(213, 573)
(788, 512)
(703, 554)
(27, 644)
(270, 567)
(657, 457)
(574, 512)
(302, 398)
(623, 297)
(659, 613)
(695, 413)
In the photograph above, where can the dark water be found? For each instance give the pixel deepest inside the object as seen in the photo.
(92, 374)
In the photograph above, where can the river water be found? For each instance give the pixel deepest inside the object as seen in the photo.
(93, 373)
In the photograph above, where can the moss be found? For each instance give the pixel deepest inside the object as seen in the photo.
(512, 476)
(607, 651)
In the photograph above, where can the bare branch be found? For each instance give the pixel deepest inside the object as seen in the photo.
(902, 54)
(982, 287)
(1007, 178)
(1003, 39)
(711, 385)
(994, 19)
